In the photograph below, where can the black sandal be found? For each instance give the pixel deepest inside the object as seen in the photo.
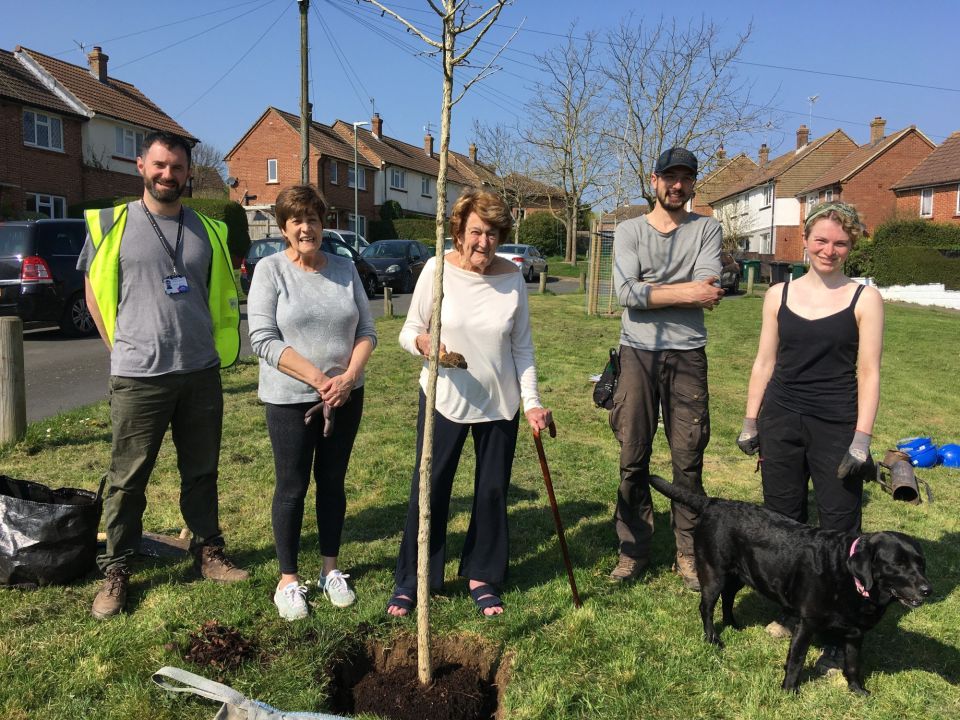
(402, 598)
(486, 596)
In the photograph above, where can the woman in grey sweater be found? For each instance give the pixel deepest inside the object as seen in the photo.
(311, 327)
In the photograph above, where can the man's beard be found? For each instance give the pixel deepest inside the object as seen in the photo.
(668, 204)
(162, 193)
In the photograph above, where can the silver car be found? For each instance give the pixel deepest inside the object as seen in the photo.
(525, 257)
(347, 237)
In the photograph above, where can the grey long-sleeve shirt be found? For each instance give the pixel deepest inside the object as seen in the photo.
(644, 256)
(319, 314)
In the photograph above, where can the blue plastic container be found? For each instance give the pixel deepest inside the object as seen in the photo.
(950, 455)
(921, 450)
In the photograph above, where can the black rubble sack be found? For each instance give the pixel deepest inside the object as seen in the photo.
(46, 536)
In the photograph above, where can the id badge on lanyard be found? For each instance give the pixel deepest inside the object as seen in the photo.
(175, 283)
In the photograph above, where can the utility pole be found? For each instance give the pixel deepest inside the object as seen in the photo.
(305, 109)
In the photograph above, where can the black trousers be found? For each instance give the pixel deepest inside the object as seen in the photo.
(795, 449)
(298, 448)
(486, 548)
(674, 382)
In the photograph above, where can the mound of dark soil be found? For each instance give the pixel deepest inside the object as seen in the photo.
(218, 646)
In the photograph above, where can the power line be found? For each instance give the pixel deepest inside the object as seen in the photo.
(339, 54)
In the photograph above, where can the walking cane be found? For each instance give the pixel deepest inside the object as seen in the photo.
(556, 512)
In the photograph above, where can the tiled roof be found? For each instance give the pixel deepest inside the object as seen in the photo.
(326, 140)
(725, 175)
(780, 165)
(478, 173)
(19, 84)
(855, 161)
(624, 212)
(940, 167)
(114, 98)
(398, 153)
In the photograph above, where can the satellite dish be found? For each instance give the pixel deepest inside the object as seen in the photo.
(232, 181)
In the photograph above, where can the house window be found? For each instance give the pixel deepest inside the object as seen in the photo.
(425, 186)
(52, 206)
(766, 247)
(958, 199)
(352, 224)
(350, 177)
(272, 170)
(926, 202)
(398, 179)
(334, 176)
(43, 131)
(128, 143)
(767, 194)
(828, 196)
(811, 202)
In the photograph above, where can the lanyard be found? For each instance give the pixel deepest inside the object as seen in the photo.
(171, 251)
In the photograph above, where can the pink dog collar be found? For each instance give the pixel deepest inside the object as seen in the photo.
(856, 581)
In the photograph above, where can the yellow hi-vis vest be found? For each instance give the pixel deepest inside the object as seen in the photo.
(222, 299)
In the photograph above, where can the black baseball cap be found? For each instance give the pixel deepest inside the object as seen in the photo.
(676, 157)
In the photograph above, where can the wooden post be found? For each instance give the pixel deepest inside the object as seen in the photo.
(13, 395)
(387, 302)
(583, 281)
(750, 269)
(543, 283)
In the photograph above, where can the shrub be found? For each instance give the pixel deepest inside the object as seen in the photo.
(916, 251)
(422, 229)
(543, 231)
(77, 209)
(391, 210)
(860, 260)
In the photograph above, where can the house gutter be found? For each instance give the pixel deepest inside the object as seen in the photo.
(773, 225)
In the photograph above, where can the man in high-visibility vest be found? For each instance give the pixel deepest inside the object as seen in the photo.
(159, 285)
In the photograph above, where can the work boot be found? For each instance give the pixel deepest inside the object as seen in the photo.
(113, 593)
(628, 569)
(688, 571)
(211, 563)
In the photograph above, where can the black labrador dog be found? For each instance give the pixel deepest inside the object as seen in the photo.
(836, 583)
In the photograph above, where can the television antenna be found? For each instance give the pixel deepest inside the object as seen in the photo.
(812, 99)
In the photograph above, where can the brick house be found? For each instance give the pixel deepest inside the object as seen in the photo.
(727, 173)
(864, 177)
(267, 159)
(40, 143)
(932, 189)
(763, 211)
(607, 222)
(115, 118)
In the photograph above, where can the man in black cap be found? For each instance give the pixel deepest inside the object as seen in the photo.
(666, 264)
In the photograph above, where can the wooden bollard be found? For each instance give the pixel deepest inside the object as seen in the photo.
(583, 282)
(750, 270)
(387, 302)
(13, 394)
(543, 283)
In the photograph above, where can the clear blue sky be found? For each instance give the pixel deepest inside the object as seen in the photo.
(216, 65)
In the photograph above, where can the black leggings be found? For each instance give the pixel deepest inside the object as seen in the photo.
(296, 449)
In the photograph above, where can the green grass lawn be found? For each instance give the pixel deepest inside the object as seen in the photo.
(630, 652)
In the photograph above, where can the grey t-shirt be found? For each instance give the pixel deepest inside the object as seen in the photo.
(643, 256)
(319, 314)
(156, 333)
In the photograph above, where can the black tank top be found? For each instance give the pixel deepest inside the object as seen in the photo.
(816, 370)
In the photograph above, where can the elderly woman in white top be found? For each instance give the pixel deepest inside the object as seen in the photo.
(486, 319)
(311, 327)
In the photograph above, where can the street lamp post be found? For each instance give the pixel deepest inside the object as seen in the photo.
(356, 180)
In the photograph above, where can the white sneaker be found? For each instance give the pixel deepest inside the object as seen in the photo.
(335, 587)
(291, 601)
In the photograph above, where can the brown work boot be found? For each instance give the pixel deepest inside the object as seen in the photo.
(211, 563)
(628, 569)
(688, 571)
(113, 593)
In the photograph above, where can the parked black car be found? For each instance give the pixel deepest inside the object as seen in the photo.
(398, 262)
(39, 280)
(258, 249)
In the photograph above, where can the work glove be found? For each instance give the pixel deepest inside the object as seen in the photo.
(857, 456)
(749, 439)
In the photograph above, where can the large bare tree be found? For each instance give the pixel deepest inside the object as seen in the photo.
(457, 20)
(566, 127)
(674, 85)
(209, 171)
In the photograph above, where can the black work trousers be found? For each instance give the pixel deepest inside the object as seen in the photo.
(673, 382)
(486, 547)
(298, 449)
(795, 449)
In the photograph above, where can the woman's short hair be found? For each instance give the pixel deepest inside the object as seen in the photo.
(843, 214)
(488, 206)
(297, 201)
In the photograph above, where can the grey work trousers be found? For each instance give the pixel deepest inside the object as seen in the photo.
(651, 381)
(141, 410)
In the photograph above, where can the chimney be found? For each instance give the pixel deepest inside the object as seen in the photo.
(803, 136)
(473, 153)
(764, 155)
(98, 63)
(721, 154)
(428, 144)
(377, 125)
(878, 127)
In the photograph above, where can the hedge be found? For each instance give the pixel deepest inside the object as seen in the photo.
(915, 252)
(422, 229)
(543, 231)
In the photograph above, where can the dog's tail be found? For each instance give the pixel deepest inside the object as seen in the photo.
(696, 502)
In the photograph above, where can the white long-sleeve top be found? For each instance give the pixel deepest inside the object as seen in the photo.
(485, 318)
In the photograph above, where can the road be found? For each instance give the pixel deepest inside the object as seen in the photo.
(64, 373)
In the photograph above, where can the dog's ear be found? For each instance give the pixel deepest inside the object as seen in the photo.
(861, 565)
